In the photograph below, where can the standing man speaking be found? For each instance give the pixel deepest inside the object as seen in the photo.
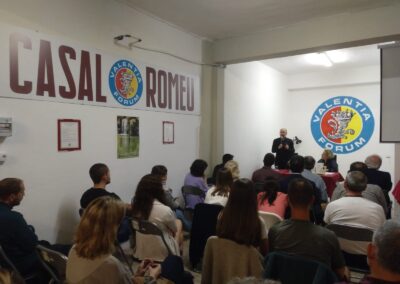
(283, 147)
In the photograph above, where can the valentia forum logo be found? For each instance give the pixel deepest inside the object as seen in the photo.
(126, 83)
(342, 124)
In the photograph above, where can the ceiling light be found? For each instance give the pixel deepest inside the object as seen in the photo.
(337, 56)
(318, 59)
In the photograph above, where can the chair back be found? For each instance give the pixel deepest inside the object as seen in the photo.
(353, 242)
(5, 262)
(148, 228)
(188, 190)
(192, 190)
(225, 259)
(54, 262)
(302, 271)
(204, 225)
(269, 218)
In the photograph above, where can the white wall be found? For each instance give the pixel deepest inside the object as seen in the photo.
(308, 91)
(55, 181)
(254, 100)
(259, 100)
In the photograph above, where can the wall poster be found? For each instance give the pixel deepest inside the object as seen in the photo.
(127, 137)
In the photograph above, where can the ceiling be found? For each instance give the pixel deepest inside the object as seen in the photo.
(357, 57)
(218, 19)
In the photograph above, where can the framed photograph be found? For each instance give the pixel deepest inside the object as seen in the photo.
(168, 132)
(69, 135)
(128, 137)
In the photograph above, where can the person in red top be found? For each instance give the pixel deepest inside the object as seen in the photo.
(271, 200)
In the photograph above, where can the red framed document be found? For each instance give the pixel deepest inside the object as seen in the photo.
(168, 132)
(69, 135)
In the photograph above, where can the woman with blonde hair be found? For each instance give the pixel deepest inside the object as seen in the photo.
(329, 161)
(233, 167)
(90, 259)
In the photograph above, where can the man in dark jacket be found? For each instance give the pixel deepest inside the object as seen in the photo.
(283, 147)
(17, 238)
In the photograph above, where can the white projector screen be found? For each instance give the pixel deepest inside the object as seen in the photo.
(390, 94)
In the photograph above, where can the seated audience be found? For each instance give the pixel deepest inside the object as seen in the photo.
(162, 172)
(17, 238)
(296, 166)
(372, 192)
(384, 255)
(149, 204)
(233, 167)
(219, 194)
(309, 164)
(100, 175)
(90, 259)
(265, 172)
(239, 220)
(225, 158)
(329, 161)
(380, 178)
(197, 179)
(271, 199)
(353, 210)
(298, 236)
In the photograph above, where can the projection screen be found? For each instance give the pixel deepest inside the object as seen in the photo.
(390, 93)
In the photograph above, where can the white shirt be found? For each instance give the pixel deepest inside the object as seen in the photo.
(355, 211)
(216, 199)
(149, 246)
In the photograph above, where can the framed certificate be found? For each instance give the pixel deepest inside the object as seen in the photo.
(168, 132)
(69, 135)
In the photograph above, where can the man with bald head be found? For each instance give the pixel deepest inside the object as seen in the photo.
(283, 147)
(375, 176)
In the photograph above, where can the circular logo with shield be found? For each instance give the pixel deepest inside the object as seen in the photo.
(125, 82)
(342, 124)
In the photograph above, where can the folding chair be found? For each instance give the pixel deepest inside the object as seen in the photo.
(269, 218)
(187, 191)
(54, 262)
(148, 228)
(5, 262)
(356, 238)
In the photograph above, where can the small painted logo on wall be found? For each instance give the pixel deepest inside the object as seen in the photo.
(126, 83)
(342, 124)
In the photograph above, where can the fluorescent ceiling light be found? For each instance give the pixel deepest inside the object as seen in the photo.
(327, 58)
(318, 59)
(337, 56)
